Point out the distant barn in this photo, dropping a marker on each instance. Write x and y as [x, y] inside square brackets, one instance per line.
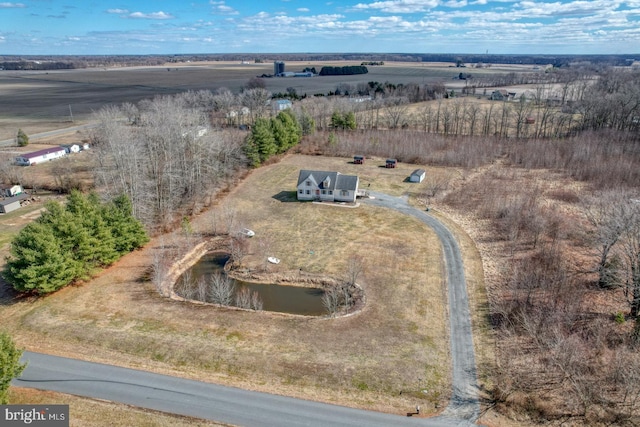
[358, 160]
[390, 163]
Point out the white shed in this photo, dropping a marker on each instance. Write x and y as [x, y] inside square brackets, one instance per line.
[417, 175]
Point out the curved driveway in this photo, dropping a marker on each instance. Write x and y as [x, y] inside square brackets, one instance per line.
[464, 402]
[249, 408]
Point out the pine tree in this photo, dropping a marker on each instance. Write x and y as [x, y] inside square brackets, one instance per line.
[10, 366]
[264, 139]
[22, 139]
[95, 245]
[38, 263]
[127, 231]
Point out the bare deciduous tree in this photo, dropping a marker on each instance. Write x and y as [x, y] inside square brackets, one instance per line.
[221, 289]
[243, 298]
[331, 300]
[355, 267]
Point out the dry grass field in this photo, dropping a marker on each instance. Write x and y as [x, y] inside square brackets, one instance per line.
[388, 357]
[45, 100]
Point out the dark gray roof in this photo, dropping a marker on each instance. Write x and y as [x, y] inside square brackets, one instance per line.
[8, 200]
[418, 172]
[337, 181]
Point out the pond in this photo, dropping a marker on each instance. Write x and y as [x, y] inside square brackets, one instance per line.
[277, 298]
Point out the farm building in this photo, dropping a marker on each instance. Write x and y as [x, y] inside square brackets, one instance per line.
[10, 204]
[358, 160]
[41, 156]
[10, 190]
[327, 186]
[390, 163]
[417, 175]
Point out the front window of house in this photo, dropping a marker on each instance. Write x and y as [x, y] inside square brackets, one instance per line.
[324, 191]
[344, 193]
[308, 192]
[308, 183]
[300, 191]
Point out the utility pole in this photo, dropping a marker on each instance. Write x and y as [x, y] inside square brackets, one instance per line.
[70, 113]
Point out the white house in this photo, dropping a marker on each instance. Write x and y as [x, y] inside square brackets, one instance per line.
[281, 104]
[327, 186]
[417, 175]
[41, 156]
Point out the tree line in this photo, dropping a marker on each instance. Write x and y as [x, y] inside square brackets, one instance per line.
[69, 242]
[347, 70]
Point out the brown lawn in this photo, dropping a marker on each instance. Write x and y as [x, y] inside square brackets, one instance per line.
[398, 343]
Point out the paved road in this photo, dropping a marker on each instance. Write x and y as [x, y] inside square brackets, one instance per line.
[198, 399]
[36, 136]
[247, 408]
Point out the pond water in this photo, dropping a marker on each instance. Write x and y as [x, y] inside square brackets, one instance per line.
[278, 298]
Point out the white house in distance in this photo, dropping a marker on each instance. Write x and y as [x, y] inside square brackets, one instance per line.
[40, 156]
[327, 186]
[281, 104]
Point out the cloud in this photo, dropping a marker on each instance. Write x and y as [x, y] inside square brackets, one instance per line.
[454, 3]
[153, 15]
[118, 11]
[221, 8]
[6, 5]
[399, 6]
[303, 9]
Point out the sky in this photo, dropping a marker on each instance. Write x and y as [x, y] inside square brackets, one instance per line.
[106, 27]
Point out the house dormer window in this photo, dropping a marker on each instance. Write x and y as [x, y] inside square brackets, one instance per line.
[308, 183]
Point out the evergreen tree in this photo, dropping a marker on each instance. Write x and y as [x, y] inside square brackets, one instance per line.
[293, 130]
[127, 231]
[69, 243]
[337, 120]
[38, 263]
[350, 120]
[22, 139]
[251, 150]
[95, 245]
[10, 366]
[260, 144]
[280, 136]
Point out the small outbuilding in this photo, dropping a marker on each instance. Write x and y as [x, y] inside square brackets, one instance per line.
[10, 190]
[417, 175]
[391, 163]
[358, 160]
[11, 204]
[71, 148]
